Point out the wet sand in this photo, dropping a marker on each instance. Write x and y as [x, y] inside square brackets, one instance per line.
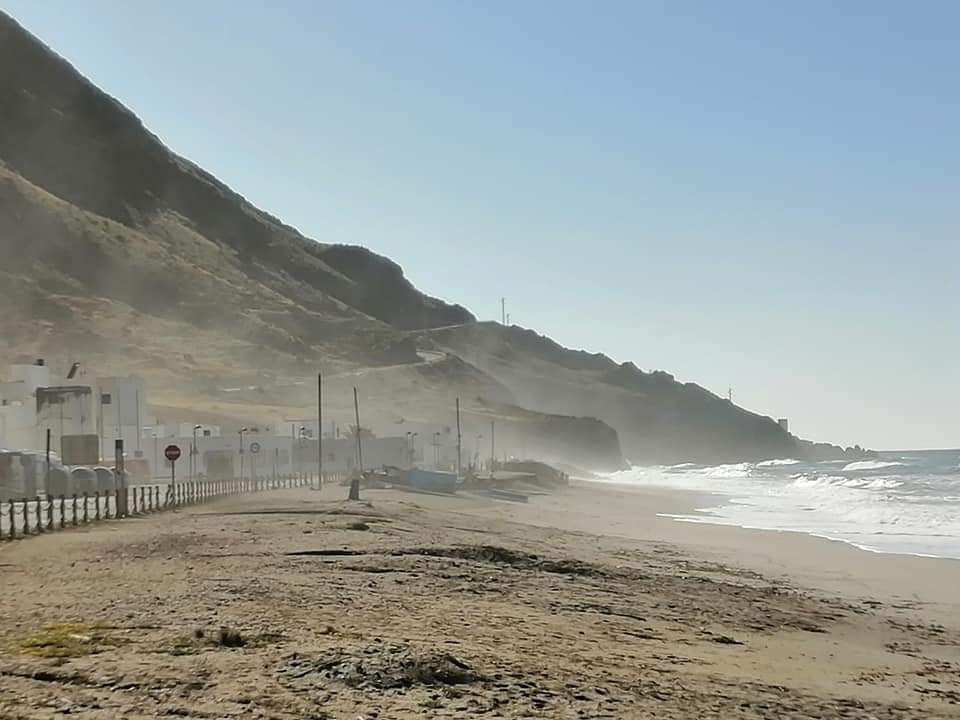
[581, 604]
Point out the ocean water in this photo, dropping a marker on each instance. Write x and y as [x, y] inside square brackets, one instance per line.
[898, 503]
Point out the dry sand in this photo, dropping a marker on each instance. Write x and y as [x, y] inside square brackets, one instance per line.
[583, 604]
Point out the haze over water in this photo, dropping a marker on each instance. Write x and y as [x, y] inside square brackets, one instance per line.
[901, 502]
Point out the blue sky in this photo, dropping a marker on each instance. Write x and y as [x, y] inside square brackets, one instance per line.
[754, 195]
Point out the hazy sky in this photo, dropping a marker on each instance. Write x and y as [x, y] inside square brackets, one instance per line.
[763, 195]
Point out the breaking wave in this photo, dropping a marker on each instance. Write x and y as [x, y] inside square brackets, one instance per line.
[903, 504]
[871, 465]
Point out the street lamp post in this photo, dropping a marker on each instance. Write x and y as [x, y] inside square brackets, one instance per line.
[413, 447]
[194, 453]
[242, 431]
[301, 435]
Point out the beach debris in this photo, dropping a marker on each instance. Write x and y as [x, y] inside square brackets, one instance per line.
[726, 640]
[66, 640]
[382, 666]
[504, 556]
[492, 554]
[230, 637]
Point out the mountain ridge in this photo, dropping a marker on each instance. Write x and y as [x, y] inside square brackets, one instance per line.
[149, 263]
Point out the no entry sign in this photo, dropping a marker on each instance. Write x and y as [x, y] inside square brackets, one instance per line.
[172, 453]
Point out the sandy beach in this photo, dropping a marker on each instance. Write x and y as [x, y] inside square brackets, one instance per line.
[584, 603]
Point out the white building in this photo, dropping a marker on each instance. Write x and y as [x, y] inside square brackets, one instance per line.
[113, 408]
[123, 412]
[65, 410]
[18, 406]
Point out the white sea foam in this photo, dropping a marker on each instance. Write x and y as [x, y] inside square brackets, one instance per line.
[777, 463]
[871, 465]
[907, 508]
[735, 470]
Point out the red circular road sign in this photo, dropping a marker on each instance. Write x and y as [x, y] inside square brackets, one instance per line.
[172, 453]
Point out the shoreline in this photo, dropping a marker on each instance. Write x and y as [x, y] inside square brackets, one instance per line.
[707, 520]
[880, 518]
[643, 514]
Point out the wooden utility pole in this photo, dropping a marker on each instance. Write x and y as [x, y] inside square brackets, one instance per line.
[320, 431]
[459, 440]
[47, 480]
[356, 411]
[120, 477]
[493, 448]
[355, 482]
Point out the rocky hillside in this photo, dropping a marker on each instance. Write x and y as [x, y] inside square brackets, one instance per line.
[121, 252]
[659, 420]
[62, 134]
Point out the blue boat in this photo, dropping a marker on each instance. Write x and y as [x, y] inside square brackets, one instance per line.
[432, 480]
